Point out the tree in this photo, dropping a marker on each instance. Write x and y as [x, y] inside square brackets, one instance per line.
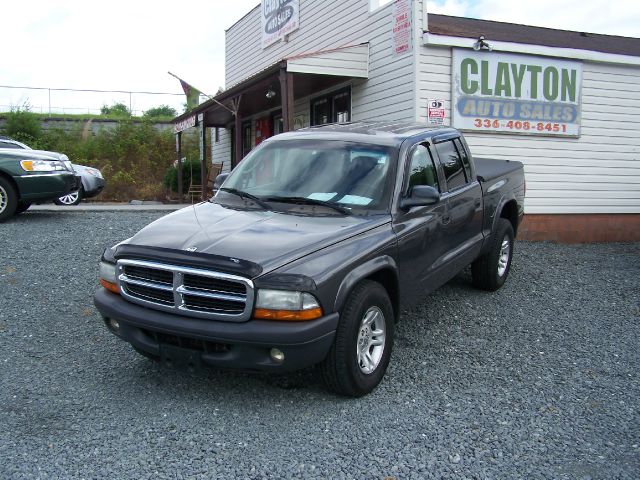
[117, 109]
[161, 111]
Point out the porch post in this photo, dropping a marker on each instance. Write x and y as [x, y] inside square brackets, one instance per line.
[179, 152]
[238, 128]
[286, 93]
[203, 155]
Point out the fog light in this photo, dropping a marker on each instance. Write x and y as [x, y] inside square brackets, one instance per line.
[277, 355]
[114, 324]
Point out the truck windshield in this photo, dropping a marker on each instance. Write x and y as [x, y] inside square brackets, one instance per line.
[346, 174]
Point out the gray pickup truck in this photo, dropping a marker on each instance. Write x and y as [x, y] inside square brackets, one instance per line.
[310, 250]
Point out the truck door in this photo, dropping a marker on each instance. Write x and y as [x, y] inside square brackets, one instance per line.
[462, 196]
[421, 238]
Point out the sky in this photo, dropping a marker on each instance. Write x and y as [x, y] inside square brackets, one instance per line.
[130, 45]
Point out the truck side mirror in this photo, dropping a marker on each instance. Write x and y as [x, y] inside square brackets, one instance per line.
[219, 180]
[419, 196]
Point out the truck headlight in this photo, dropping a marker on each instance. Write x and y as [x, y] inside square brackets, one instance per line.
[108, 277]
[42, 166]
[286, 305]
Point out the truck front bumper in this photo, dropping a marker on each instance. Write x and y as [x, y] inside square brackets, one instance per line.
[243, 345]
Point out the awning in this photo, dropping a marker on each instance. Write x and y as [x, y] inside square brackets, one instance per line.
[313, 71]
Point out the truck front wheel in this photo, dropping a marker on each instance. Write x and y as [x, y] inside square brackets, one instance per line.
[8, 200]
[362, 348]
[490, 271]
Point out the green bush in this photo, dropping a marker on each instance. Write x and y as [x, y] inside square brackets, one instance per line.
[170, 180]
[117, 109]
[163, 111]
[133, 156]
[22, 125]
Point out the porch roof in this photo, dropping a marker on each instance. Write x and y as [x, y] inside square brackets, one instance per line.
[313, 71]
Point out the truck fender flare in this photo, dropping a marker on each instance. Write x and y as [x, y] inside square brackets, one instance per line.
[503, 201]
[360, 273]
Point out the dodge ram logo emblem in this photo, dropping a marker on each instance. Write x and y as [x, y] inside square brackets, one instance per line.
[191, 249]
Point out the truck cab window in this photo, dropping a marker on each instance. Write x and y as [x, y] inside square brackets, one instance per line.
[451, 164]
[421, 169]
[465, 159]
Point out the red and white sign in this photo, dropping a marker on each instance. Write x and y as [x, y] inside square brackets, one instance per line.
[184, 124]
[401, 27]
[436, 112]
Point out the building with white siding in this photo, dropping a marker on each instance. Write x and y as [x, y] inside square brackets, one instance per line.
[566, 104]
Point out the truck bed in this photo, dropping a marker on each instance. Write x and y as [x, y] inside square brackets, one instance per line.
[491, 168]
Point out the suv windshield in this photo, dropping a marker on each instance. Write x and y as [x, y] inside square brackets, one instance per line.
[346, 174]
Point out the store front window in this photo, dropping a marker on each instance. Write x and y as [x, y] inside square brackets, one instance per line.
[333, 107]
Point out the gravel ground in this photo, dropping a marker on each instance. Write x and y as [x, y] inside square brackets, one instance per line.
[538, 380]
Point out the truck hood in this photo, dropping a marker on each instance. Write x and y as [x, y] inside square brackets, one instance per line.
[269, 239]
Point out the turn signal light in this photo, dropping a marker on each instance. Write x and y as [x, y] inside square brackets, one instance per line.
[288, 315]
[112, 287]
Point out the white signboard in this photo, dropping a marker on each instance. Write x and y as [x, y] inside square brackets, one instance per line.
[279, 18]
[184, 124]
[401, 27]
[526, 94]
[436, 112]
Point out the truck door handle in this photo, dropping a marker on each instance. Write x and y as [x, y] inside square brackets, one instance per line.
[446, 219]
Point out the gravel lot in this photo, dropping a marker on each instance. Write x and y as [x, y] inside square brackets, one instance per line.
[539, 380]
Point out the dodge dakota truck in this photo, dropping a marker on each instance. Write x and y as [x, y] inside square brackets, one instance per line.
[310, 250]
[28, 176]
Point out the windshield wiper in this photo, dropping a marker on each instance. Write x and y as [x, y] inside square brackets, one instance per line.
[310, 201]
[243, 194]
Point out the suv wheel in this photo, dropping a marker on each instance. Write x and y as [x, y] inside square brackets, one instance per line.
[8, 200]
[490, 271]
[362, 348]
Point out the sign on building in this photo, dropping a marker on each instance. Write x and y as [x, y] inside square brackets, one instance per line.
[279, 18]
[505, 92]
[401, 27]
[184, 124]
[436, 112]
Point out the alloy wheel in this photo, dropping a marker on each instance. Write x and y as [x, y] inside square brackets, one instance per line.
[69, 199]
[503, 259]
[371, 340]
[4, 199]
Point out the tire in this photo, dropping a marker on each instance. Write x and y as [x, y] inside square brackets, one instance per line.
[73, 198]
[8, 200]
[343, 370]
[22, 207]
[491, 270]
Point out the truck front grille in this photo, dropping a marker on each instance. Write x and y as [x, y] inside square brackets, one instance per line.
[185, 290]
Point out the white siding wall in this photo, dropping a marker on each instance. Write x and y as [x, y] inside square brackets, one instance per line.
[221, 150]
[596, 173]
[388, 93]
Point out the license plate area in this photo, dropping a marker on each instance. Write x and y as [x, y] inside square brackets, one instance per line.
[180, 358]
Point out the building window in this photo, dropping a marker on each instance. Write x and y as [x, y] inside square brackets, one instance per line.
[278, 123]
[217, 135]
[331, 108]
[246, 138]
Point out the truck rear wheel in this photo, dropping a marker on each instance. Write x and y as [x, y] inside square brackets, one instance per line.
[8, 200]
[490, 271]
[362, 348]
